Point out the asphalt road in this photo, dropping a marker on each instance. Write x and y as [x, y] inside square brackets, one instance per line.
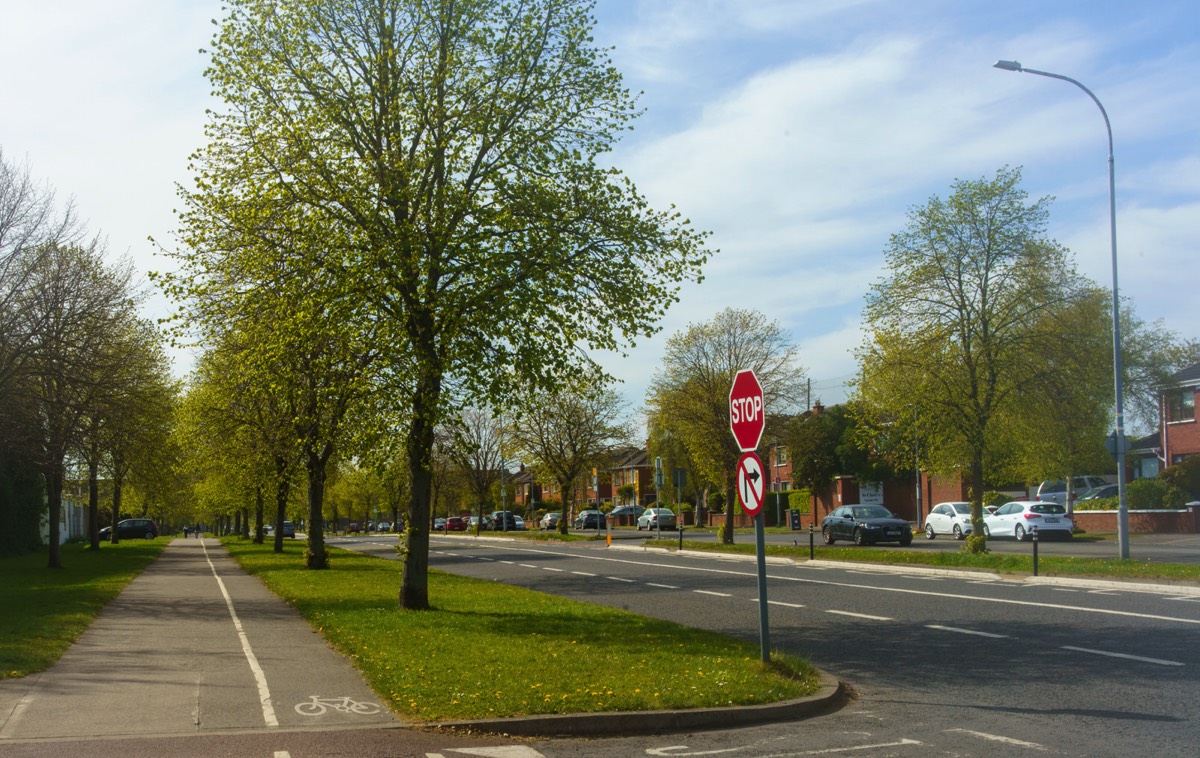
[943, 664]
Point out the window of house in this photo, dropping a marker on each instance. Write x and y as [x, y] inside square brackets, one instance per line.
[780, 455]
[1181, 405]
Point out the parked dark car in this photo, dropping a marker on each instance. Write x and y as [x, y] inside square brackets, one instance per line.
[289, 529]
[591, 519]
[549, 521]
[132, 528]
[627, 510]
[865, 525]
[506, 521]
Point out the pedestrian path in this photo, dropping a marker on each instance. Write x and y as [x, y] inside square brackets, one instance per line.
[192, 645]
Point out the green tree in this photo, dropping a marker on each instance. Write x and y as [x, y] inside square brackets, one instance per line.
[453, 151]
[689, 395]
[827, 444]
[566, 433]
[952, 328]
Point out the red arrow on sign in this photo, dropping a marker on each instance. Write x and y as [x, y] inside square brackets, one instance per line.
[750, 483]
[747, 417]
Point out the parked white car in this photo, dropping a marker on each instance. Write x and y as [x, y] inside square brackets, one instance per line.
[1019, 519]
[949, 518]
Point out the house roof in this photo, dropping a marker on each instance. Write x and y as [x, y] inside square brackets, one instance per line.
[1188, 377]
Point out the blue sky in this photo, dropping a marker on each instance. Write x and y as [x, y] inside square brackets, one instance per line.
[799, 132]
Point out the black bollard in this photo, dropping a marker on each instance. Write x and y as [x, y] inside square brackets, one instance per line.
[811, 543]
[681, 536]
[1035, 550]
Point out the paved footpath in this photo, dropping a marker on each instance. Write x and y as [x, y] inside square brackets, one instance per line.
[194, 645]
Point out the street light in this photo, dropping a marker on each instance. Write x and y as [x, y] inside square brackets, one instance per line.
[1119, 431]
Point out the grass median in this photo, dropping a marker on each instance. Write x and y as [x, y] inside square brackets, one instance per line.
[45, 610]
[1004, 563]
[490, 650]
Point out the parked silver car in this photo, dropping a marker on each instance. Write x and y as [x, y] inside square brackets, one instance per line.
[1055, 490]
[1019, 518]
[949, 518]
[656, 518]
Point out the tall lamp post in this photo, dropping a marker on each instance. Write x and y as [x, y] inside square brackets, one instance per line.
[1119, 443]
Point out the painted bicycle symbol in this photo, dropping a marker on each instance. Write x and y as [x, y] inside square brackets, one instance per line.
[318, 706]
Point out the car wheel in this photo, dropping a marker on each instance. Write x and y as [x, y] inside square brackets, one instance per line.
[929, 534]
[987, 533]
[860, 538]
[958, 534]
[827, 536]
[1019, 533]
[150, 535]
[906, 541]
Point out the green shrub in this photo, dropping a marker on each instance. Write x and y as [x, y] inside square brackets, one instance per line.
[995, 498]
[800, 500]
[1099, 504]
[1150, 493]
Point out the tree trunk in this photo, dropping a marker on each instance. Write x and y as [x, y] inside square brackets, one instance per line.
[93, 505]
[54, 479]
[414, 577]
[316, 557]
[730, 503]
[258, 515]
[116, 507]
[282, 488]
[976, 542]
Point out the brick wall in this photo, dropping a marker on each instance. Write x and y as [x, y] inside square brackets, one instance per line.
[1141, 522]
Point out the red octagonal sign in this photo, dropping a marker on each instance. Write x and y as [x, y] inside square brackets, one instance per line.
[747, 417]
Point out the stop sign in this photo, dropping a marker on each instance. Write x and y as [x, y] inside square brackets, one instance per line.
[746, 415]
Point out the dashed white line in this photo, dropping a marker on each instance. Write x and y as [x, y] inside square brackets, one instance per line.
[780, 602]
[1158, 661]
[528, 565]
[999, 738]
[662, 586]
[710, 592]
[621, 579]
[867, 616]
[260, 678]
[966, 631]
[582, 573]
[549, 568]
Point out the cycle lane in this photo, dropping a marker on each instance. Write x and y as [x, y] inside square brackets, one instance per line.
[192, 645]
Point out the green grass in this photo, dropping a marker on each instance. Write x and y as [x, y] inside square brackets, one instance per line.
[491, 650]
[997, 562]
[45, 610]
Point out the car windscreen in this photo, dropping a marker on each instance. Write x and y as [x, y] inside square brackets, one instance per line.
[872, 511]
[962, 507]
[1047, 508]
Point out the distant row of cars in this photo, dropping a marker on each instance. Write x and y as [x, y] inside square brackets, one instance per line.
[1020, 519]
[647, 518]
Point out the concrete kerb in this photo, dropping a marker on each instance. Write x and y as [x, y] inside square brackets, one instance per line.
[1189, 590]
[830, 695]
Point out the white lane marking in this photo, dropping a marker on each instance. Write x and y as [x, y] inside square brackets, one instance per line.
[511, 563]
[548, 568]
[621, 579]
[528, 565]
[1158, 661]
[778, 602]
[499, 751]
[1063, 589]
[965, 631]
[482, 558]
[282, 754]
[859, 615]
[672, 751]
[264, 692]
[710, 592]
[582, 573]
[662, 586]
[851, 585]
[999, 738]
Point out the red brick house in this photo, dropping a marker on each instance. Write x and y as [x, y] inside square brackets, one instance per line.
[1177, 406]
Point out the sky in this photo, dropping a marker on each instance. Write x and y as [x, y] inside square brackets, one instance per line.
[800, 133]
